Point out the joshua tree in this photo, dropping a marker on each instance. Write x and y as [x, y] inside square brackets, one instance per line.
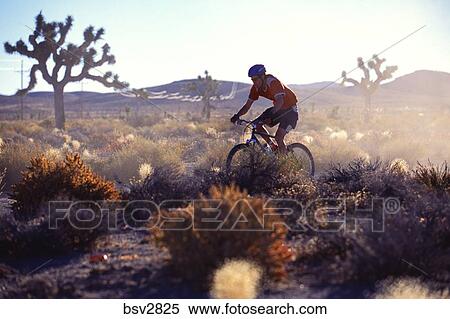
[366, 85]
[207, 89]
[47, 41]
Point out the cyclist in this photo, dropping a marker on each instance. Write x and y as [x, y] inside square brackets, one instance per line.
[284, 110]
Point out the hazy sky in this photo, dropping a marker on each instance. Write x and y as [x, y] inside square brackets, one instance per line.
[156, 42]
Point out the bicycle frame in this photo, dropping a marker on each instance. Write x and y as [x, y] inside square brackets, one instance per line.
[253, 138]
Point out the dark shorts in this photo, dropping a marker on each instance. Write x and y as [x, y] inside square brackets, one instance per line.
[286, 118]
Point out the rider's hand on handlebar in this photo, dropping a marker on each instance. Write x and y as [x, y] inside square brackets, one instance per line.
[234, 118]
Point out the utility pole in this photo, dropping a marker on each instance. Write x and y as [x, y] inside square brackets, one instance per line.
[21, 87]
[81, 99]
[21, 111]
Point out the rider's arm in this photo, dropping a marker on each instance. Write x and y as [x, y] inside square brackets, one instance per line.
[245, 108]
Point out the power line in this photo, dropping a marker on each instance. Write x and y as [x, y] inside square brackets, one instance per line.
[364, 62]
[381, 52]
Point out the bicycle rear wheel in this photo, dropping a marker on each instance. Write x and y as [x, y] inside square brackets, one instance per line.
[304, 157]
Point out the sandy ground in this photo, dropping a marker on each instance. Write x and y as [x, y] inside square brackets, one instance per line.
[135, 268]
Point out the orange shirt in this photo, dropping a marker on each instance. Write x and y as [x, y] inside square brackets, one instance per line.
[273, 89]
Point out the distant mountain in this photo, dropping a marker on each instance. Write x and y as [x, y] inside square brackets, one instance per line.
[420, 88]
[422, 82]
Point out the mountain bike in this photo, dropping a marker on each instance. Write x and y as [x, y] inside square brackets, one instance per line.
[245, 151]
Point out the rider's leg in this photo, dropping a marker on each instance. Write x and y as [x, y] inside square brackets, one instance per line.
[279, 137]
[288, 122]
[261, 129]
[265, 119]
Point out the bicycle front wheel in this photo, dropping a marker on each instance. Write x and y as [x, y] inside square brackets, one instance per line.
[303, 157]
[240, 153]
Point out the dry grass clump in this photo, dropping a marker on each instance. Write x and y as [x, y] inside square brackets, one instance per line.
[124, 163]
[20, 131]
[236, 279]
[328, 152]
[197, 252]
[145, 120]
[98, 133]
[14, 157]
[214, 155]
[399, 165]
[409, 288]
[436, 177]
[173, 128]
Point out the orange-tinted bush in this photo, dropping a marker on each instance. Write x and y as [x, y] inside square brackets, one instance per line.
[197, 252]
[45, 180]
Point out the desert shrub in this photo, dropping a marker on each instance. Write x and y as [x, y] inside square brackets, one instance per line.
[35, 286]
[436, 177]
[351, 172]
[379, 178]
[268, 174]
[414, 241]
[203, 179]
[29, 234]
[45, 180]
[173, 182]
[365, 256]
[21, 239]
[164, 182]
[254, 170]
[196, 252]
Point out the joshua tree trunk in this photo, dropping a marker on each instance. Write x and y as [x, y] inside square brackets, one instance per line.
[207, 110]
[60, 119]
[367, 106]
[367, 101]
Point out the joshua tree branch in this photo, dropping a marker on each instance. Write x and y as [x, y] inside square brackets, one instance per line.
[64, 28]
[114, 83]
[363, 67]
[32, 82]
[349, 80]
[20, 48]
